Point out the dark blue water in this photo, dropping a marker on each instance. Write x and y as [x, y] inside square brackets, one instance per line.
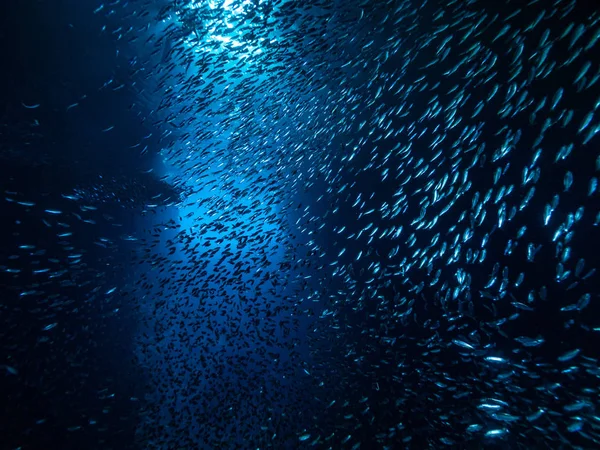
[265, 224]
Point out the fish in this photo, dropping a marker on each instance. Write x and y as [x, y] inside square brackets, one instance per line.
[310, 225]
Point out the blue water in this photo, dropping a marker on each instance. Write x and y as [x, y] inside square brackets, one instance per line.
[266, 224]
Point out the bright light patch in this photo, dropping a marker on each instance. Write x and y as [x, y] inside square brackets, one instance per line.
[222, 29]
[227, 5]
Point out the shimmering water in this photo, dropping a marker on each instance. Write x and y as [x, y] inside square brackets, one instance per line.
[268, 224]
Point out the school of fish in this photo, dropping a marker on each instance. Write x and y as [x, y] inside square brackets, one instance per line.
[380, 229]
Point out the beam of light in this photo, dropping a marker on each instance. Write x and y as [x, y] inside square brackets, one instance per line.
[221, 30]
